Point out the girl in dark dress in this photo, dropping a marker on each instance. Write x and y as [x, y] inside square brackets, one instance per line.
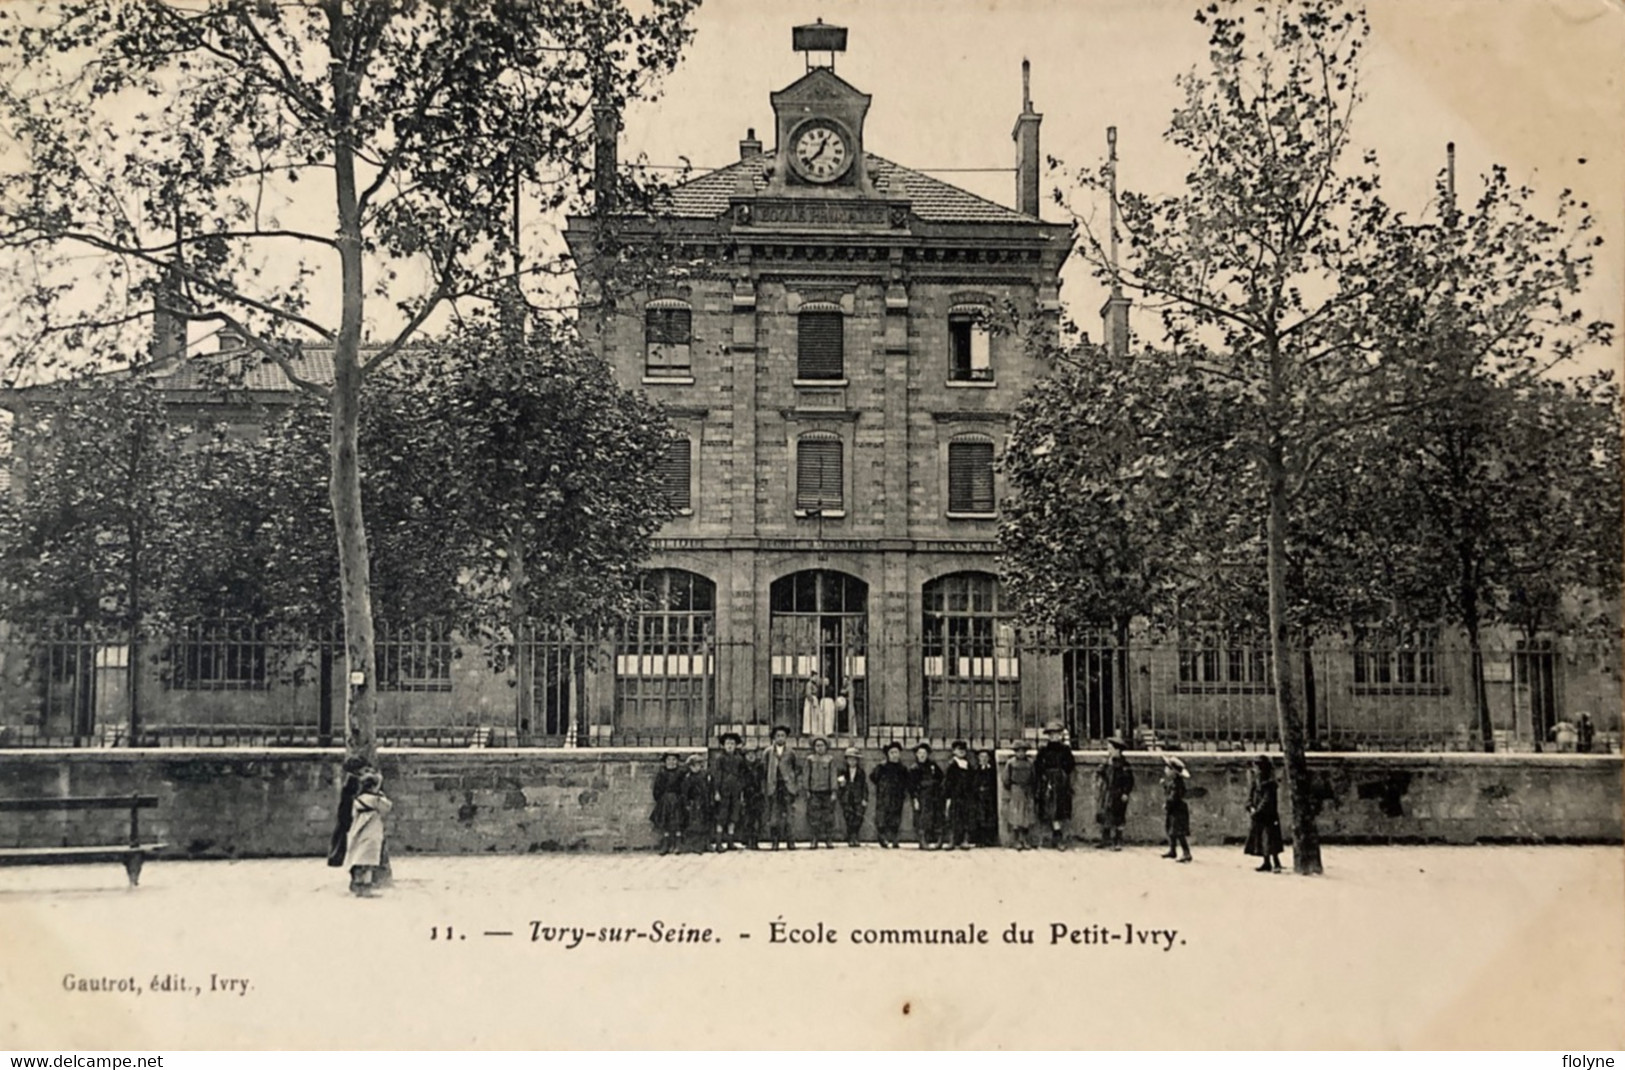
[699, 807]
[668, 812]
[925, 786]
[1176, 813]
[1264, 838]
[1052, 783]
[890, 779]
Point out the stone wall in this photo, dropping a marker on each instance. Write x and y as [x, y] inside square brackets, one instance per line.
[236, 803]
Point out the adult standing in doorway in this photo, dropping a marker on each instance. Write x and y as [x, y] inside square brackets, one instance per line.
[1052, 775]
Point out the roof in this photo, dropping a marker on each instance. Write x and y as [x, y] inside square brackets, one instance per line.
[706, 197]
[247, 370]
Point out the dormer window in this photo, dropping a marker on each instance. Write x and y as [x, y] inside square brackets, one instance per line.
[668, 334]
[970, 354]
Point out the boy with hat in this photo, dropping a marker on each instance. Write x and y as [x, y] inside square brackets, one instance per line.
[853, 788]
[699, 807]
[731, 774]
[891, 791]
[783, 776]
[1114, 782]
[1176, 813]
[1052, 779]
[959, 796]
[1018, 795]
[925, 787]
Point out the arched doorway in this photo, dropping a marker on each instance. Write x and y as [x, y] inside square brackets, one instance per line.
[665, 663]
[819, 631]
[971, 665]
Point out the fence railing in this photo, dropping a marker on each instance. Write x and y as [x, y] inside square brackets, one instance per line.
[670, 681]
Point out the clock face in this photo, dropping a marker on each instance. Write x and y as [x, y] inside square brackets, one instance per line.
[820, 153]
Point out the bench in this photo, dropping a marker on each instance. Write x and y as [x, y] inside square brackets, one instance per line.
[132, 854]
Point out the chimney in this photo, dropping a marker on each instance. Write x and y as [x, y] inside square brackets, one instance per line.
[1025, 136]
[1114, 313]
[750, 146]
[168, 326]
[606, 129]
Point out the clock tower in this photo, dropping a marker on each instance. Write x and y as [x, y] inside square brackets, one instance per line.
[819, 124]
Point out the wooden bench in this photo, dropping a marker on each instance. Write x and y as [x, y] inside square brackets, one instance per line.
[132, 854]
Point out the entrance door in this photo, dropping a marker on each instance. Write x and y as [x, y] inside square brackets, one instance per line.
[818, 640]
[1090, 693]
[1534, 673]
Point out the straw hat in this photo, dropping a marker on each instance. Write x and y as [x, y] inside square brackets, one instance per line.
[1055, 725]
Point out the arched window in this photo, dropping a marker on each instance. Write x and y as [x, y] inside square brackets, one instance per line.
[820, 342]
[970, 475]
[972, 672]
[818, 637]
[665, 665]
[668, 334]
[819, 473]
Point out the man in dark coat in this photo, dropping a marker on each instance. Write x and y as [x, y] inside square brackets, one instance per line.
[890, 779]
[925, 787]
[1052, 777]
[731, 774]
[959, 796]
[1114, 782]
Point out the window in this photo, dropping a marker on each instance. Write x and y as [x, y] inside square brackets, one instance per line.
[219, 656]
[818, 630]
[668, 328]
[1223, 665]
[1401, 663]
[818, 473]
[674, 474]
[970, 476]
[820, 344]
[971, 669]
[414, 658]
[970, 357]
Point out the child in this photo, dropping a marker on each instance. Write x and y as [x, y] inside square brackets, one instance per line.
[751, 801]
[853, 789]
[1176, 813]
[959, 795]
[925, 786]
[1264, 837]
[668, 812]
[783, 778]
[1114, 782]
[1018, 796]
[986, 826]
[339, 845]
[731, 774]
[699, 807]
[1052, 783]
[891, 791]
[365, 843]
[821, 794]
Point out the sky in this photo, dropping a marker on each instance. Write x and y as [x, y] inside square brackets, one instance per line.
[1533, 85]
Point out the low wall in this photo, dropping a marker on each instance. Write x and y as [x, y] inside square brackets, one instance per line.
[241, 804]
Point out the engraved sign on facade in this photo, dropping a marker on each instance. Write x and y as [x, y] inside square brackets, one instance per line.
[822, 213]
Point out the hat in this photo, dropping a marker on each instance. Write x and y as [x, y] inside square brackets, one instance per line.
[853, 752]
[959, 744]
[1020, 745]
[1117, 741]
[1055, 725]
[1176, 765]
[696, 759]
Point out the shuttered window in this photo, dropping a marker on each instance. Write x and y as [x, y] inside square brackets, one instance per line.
[668, 329]
[818, 472]
[674, 473]
[820, 352]
[970, 477]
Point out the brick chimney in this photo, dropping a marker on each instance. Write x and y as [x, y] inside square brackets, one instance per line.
[1025, 136]
[606, 130]
[168, 326]
[751, 146]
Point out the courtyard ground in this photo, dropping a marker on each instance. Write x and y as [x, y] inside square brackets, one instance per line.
[1394, 947]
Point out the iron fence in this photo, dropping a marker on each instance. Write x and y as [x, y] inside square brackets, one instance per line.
[668, 680]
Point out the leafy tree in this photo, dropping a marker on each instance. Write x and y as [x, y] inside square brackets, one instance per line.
[176, 140]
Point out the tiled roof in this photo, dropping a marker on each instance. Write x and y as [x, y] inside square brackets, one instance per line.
[706, 197]
[248, 370]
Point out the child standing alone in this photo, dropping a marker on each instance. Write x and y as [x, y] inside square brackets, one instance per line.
[1018, 795]
[365, 844]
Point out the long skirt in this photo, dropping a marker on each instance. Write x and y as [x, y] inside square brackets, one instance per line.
[1264, 838]
[1018, 806]
[1176, 818]
[821, 815]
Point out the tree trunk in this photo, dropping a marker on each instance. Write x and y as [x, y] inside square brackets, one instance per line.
[355, 580]
[1470, 621]
[132, 661]
[1305, 833]
[523, 646]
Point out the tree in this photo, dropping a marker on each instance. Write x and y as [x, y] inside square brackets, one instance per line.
[178, 150]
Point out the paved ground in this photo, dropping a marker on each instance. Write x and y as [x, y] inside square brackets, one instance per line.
[1411, 947]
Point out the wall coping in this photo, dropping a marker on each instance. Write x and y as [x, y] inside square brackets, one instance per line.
[546, 754]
